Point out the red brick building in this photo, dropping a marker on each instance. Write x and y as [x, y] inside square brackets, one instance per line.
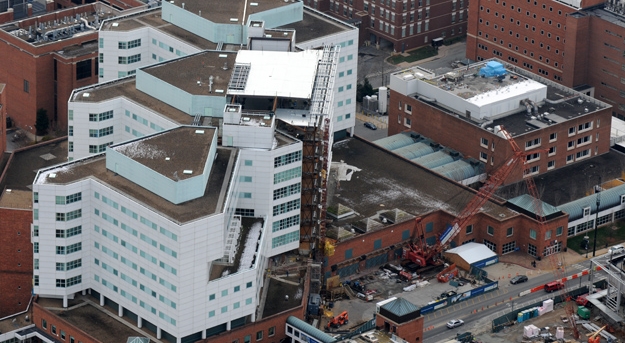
[405, 25]
[579, 48]
[3, 116]
[389, 214]
[401, 318]
[45, 58]
[561, 127]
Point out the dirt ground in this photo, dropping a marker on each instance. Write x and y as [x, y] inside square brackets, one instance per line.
[551, 320]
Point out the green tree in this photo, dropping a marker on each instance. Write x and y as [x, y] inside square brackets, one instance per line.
[363, 90]
[43, 123]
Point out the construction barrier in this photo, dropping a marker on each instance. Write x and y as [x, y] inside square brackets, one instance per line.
[460, 297]
[564, 279]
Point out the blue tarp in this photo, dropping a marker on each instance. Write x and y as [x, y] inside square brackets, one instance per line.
[493, 68]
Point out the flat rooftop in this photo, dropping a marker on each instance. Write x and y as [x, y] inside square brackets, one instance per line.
[316, 24]
[79, 50]
[201, 74]
[98, 322]
[22, 169]
[127, 88]
[153, 18]
[226, 11]
[387, 182]
[211, 202]
[62, 24]
[559, 105]
[172, 152]
[275, 73]
[575, 181]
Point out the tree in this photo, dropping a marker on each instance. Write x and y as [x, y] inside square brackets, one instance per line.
[363, 90]
[43, 123]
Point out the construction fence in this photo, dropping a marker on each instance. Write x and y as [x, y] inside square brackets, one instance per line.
[508, 319]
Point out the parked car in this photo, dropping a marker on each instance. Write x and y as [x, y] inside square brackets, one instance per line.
[617, 249]
[554, 286]
[454, 323]
[518, 279]
[369, 337]
[371, 126]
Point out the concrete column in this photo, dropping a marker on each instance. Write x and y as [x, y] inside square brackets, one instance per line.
[158, 332]
[120, 310]
[203, 334]
[139, 322]
[253, 316]
[29, 10]
[228, 326]
[84, 292]
[101, 300]
[179, 340]
[65, 301]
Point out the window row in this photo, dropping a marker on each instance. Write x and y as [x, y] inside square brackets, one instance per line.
[130, 44]
[287, 159]
[101, 116]
[282, 224]
[101, 132]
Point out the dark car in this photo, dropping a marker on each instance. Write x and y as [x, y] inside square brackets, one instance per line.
[518, 279]
[371, 126]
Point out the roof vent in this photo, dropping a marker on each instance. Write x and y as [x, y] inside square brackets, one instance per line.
[199, 132]
[115, 24]
[286, 34]
[52, 175]
[8, 190]
[167, 158]
[187, 171]
[223, 55]
[85, 95]
[253, 3]
[267, 117]
[268, 36]
[263, 124]
[219, 90]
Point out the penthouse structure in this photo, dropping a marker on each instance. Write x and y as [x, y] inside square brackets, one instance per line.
[180, 29]
[464, 110]
[173, 227]
[45, 57]
[575, 43]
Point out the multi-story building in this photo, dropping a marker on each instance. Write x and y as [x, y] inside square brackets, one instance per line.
[174, 225]
[465, 110]
[3, 117]
[44, 58]
[402, 24]
[177, 30]
[575, 43]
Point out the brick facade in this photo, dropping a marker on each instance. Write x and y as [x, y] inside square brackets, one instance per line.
[38, 76]
[569, 46]
[411, 331]
[3, 116]
[16, 260]
[55, 326]
[393, 237]
[443, 17]
[464, 137]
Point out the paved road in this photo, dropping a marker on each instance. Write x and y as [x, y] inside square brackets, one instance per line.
[501, 297]
[368, 134]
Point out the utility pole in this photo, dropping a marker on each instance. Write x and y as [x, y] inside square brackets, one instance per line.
[594, 244]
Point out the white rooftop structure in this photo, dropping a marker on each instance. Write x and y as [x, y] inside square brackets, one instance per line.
[272, 73]
[472, 252]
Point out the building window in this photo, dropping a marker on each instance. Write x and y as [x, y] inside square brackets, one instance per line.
[570, 158]
[551, 164]
[532, 234]
[553, 137]
[532, 157]
[571, 131]
[271, 331]
[531, 171]
[26, 86]
[548, 235]
[484, 142]
[531, 249]
[559, 231]
[259, 335]
[509, 231]
[483, 156]
[468, 230]
[532, 143]
[490, 230]
[492, 246]
[508, 247]
[552, 151]
[83, 69]
[408, 109]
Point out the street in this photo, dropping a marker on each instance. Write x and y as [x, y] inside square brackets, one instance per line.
[493, 304]
[368, 134]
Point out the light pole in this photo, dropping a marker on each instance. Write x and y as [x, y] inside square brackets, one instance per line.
[598, 190]
[587, 240]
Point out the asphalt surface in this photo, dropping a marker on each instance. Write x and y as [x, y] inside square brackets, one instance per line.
[492, 304]
[368, 134]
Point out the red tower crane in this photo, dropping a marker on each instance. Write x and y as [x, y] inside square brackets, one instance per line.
[422, 254]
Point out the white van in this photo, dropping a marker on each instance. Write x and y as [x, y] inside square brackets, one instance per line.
[617, 249]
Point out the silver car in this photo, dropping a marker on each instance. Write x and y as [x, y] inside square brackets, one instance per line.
[454, 323]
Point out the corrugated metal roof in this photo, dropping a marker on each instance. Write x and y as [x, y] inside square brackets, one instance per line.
[414, 150]
[434, 160]
[400, 307]
[310, 330]
[609, 198]
[526, 202]
[472, 252]
[394, 142]
[457, 170]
